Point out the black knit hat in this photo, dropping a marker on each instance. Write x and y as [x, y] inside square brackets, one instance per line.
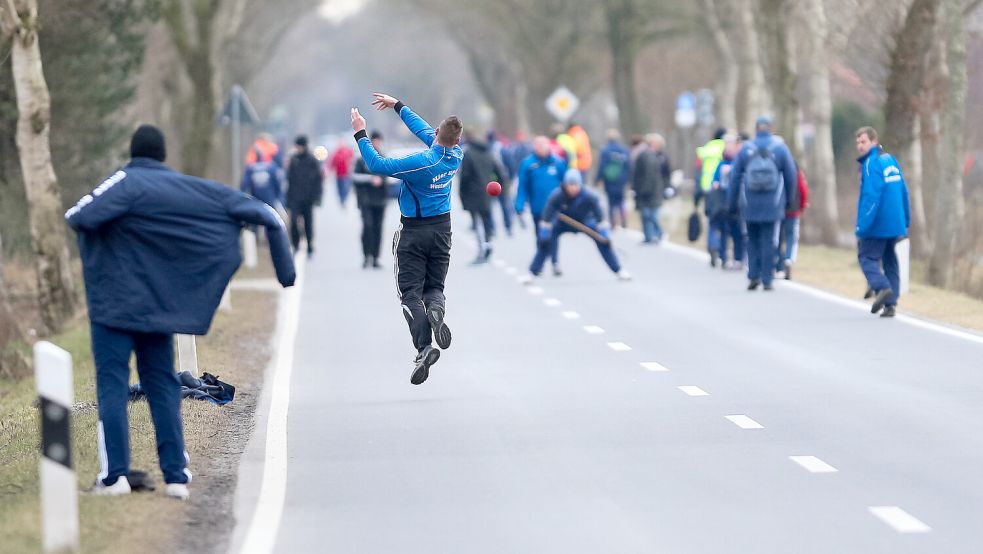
[301, 140]
[376, 135]
[148, 142]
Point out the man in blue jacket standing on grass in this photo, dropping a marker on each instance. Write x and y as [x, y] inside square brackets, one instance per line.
[422, 245]
[883, 217]
[158, 249]
[539, 175]
[763, 183]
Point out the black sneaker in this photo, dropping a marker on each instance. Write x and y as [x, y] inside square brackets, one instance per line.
[879, 300]
[713, 259]
[788, 270]
[375, 263]
[753, 285]
[557, 272]
[869, 294]
[421, 368]
[441, 332]
[769, 286]
[366, 262]
[488, 253]
[889, 311]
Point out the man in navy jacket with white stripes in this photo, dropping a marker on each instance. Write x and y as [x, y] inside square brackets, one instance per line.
[422, 245]
[158, 249]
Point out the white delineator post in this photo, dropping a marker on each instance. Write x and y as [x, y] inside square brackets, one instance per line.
[902, 249]
[226, 302]
[249, 248]
[59, 487]
[187, 354]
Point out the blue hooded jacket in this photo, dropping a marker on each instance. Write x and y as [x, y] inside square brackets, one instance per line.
[426, 176]
[262, 180]
[158, 248]
[882, 209]
[615, 156]
[763, 207]
[538, 178]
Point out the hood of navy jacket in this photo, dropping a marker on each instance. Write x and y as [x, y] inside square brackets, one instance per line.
[758, 207]
[426, 176]
[538, 178]
[158, 248]
[882, 209]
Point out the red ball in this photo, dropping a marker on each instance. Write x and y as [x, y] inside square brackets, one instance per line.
[494, 188]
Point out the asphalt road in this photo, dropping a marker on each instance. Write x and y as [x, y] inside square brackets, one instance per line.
[583, 414]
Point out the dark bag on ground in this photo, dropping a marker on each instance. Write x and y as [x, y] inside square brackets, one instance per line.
[695, 227]
[208, 387]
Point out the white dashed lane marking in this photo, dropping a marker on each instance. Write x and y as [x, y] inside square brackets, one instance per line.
[744, 422]
[552, 302]
[619, 346]
[499, 263]
[899, 520]
[813, 464]
[571, 315]
[693, 390]
[535, 291]
[593, 329]
[511, 270]
[654, 366]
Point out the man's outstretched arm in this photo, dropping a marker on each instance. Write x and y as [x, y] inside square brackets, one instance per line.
[374, 161]
[416, 124]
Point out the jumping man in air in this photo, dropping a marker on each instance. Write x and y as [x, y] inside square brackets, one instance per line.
[422, 245]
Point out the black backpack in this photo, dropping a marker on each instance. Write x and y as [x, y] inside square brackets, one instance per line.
[762, 171]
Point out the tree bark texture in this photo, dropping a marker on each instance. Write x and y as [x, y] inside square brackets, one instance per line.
[726, 101]
[757, 100]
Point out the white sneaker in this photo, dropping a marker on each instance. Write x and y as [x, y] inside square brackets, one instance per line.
[177, 490]
[526, 279]
[119, 488]
[624, 275]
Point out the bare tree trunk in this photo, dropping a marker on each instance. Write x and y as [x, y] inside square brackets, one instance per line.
[818, 103]
[778, 55]
[949, 206]
[905, 84]
[622, 30]
[726, 100]
[57, 294]
[757, 101]
[12, 361]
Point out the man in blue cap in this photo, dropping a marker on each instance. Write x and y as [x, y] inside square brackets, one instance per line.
[763, 185]
[573, 209]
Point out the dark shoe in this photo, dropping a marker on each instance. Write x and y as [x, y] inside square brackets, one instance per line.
[488, 253]
[869, 294]
[376, 264]
[310, 253]
[421, 368]
[557, 272]
[753, 285]
[788, 270]
[441, 332]
[769, 286]
[889, 311]
[879, 300]
[713, 259]
[366, 262]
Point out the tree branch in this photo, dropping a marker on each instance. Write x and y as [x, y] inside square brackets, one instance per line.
[9, 20]
[971, 7]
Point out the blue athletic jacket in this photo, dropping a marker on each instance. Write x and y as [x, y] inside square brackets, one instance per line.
[538, 178]
[614, 157]
[426, 176]
[882, 209]
[262, 180]
[585, 207]
[158, 248]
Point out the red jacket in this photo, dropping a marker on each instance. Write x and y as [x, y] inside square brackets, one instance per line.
[341, 162]
[803, 197]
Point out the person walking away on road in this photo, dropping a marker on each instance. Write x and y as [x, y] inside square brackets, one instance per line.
[883, 218]
[158, 249]
[763, 185]
[499, 147]
[341, 165]
[422, 245]
[708, 157]
[539, 175]
[563, 145]
[724, 227]
[304, 190]
[262, 180]
[478, 168]
[371, 195]
[264, 148]
[613, 172]
[650, 178]
[573, 209]
[585, 157]
[788, 236]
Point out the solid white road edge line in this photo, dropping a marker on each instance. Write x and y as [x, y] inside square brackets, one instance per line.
[693, 390]
[744, 422]
[261, 536]
[899, 520]
[813, 464]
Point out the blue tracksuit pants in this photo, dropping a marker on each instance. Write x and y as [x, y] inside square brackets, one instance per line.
[111, 349]
[544, 248]
[880, 265]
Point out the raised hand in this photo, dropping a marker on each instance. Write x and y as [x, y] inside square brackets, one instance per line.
[358, 122]
[383, 101]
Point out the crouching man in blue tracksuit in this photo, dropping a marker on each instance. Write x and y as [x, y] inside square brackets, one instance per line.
[422, 245]
[571, 209]
[883, 217]
[158, 249]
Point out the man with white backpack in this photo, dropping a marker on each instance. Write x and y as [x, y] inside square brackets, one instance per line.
[763, 186]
